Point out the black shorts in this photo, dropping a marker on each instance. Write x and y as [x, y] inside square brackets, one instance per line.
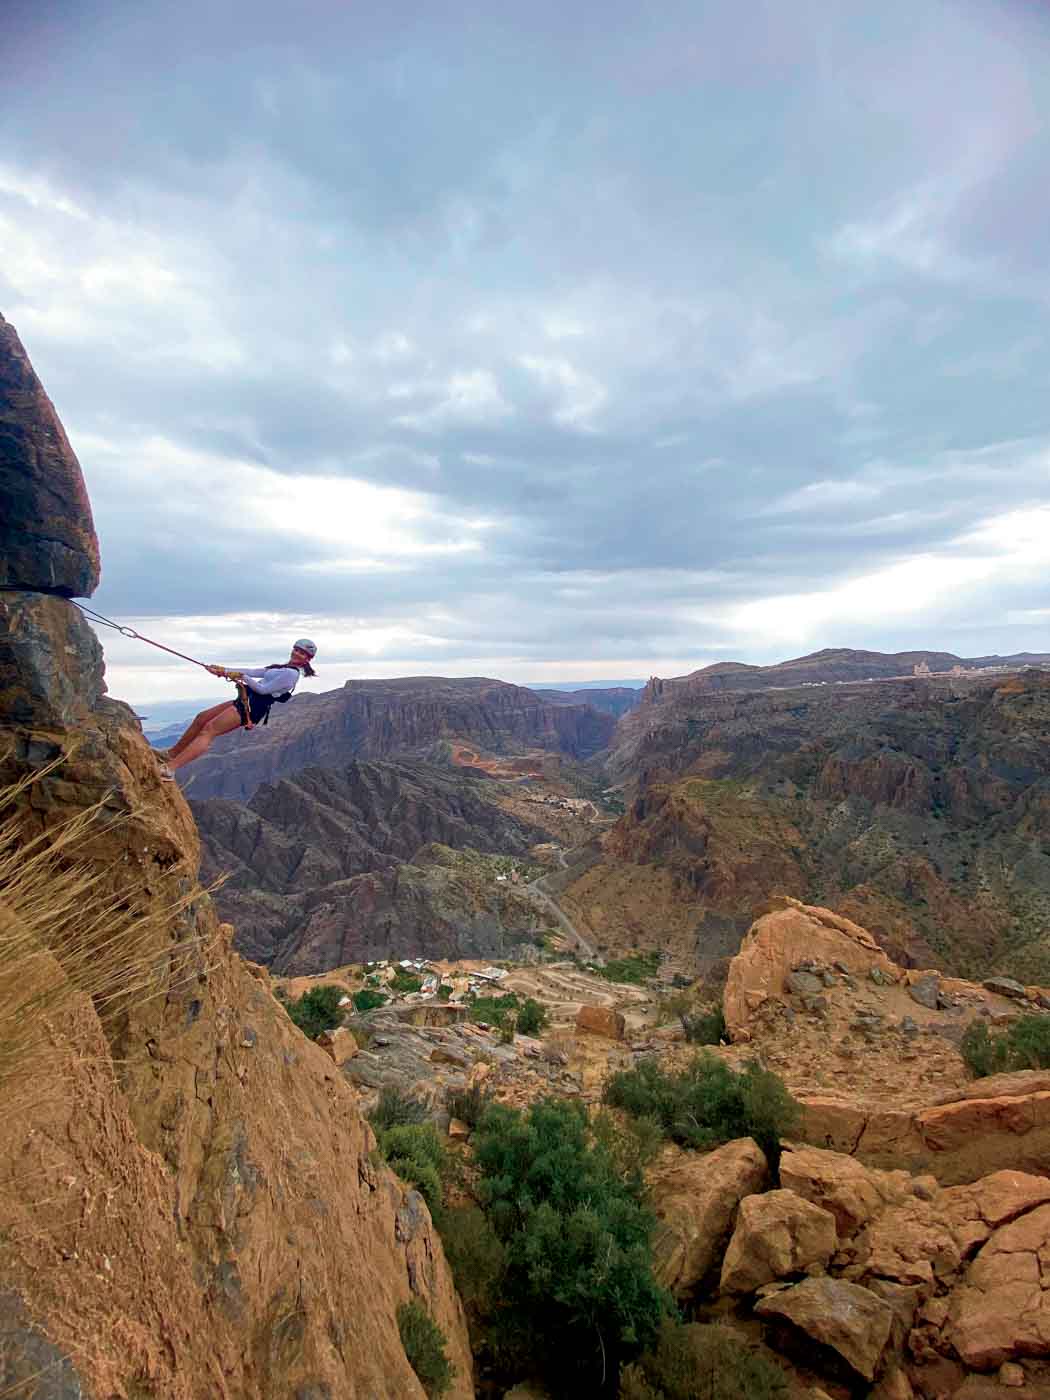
[258, 706]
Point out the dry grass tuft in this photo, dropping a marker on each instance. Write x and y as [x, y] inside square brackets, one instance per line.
[65, 935]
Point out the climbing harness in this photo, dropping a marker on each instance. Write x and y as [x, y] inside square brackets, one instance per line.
[125, 631]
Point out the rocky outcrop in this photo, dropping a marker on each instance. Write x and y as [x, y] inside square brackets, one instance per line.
[419, 717]
[47, 537]
[189, 1200]
[782, 940]
[696, 1202]
[342, 865]
[816, 997]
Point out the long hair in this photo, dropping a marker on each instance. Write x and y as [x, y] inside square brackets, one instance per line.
[305, 667]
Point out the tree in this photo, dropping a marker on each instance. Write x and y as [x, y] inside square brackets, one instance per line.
[578, 1292]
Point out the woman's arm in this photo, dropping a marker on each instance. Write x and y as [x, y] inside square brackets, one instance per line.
[271, 682]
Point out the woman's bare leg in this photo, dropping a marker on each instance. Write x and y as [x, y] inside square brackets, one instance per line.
[196, 725]
[226, 720]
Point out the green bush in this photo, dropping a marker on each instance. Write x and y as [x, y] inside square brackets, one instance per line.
[532, 1017]
[424, 1344]
[696, 1362]
[367, 999]
[708, 1103]
[395, 1108]
[705, 1027]
[631, 1143]
[403, 981]
[444, 991]
[416, 1152]
[578, 1296]
[1023, 1045]
[317, 1010]
[475, 1255]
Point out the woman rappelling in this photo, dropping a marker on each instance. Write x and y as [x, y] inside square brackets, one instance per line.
[257, 691]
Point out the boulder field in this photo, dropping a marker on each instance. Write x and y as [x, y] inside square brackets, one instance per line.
[905, 1249]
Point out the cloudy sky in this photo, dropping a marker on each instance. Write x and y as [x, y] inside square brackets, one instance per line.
[547, 341]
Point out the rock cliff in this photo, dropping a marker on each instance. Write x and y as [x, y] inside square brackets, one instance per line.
[189, 1205]
[417, 716]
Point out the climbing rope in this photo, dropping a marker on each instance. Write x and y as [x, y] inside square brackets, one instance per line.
[125, 631]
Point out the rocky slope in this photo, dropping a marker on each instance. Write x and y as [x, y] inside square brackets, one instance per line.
[916, 807]
[416, 716]
[897, 1255]
[340, 865]
[901, 1248]
[189, 1205]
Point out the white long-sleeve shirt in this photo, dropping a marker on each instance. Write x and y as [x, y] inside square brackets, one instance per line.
[274, 682]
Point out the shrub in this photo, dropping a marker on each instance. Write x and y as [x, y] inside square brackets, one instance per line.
[417, 1154]
[367, 999]
[1029, 1042]
[424, 1344]
[697, 1362]
[468, 1105]
[705, 1027]
[317, 1010]
[403, 981]
[578, 1294]
[532, 1017]
[395, 1109]
[708, 1103]
[1023, 1045]
[631, 1143]
[474, 1253]
[444, 991]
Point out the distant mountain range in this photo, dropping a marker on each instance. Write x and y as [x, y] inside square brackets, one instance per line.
[832, 664]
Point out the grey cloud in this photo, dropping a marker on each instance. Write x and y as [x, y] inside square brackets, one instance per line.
[636, 228]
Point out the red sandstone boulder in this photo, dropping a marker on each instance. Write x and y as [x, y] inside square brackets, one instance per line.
[776, 1234]
[840, 1315]
[1002, 1311]
[696, 1202]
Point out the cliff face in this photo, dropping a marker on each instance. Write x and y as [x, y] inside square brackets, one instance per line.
[47, 538]
[912, 807]
[314, 861]
[378, 719]
[188, 1203]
